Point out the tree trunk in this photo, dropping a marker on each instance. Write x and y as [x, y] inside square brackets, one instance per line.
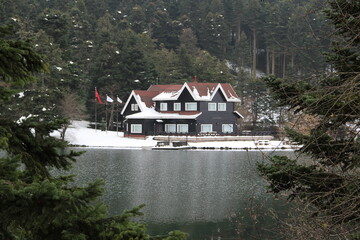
[273, 62]
[267, 61]
[253, 72]
[238, 30]
[284, 66]
[63, 131]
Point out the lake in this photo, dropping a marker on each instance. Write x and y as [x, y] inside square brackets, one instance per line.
[208, 194]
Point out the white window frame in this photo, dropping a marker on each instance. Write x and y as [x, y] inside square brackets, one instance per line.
[177, 106]
[205, 128]
[136, 128]
[188, 106]
[163, 106]
[180, 129]
[170, 128]
[212, 107]
[221, 106]
[134, 107]
[229, 125]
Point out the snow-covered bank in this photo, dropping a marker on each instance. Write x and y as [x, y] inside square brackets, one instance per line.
[80, 135]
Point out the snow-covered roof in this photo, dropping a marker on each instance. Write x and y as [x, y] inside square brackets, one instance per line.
[239, 114]
[143, 98]
[199, 92]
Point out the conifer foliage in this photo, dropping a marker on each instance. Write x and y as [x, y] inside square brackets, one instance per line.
[330, 181]
[35, 204]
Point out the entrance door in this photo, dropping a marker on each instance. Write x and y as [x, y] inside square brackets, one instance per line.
[159, 128]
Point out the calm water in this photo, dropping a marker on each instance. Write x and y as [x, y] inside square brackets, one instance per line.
[208, 194]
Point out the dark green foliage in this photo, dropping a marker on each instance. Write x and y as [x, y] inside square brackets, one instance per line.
[56, 24]
[18, 62]
[330, 181]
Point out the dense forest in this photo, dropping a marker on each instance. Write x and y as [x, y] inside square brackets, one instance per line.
[118, 46]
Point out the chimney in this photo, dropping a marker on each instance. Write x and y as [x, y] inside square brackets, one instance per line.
[195, 79]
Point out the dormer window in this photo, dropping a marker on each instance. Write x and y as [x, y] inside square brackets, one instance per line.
[134, 107]
[163, 106]
[177, 106]
[211, 106]
[221, 106]
[191, 106]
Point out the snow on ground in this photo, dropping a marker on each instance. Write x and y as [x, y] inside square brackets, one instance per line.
[79, 134]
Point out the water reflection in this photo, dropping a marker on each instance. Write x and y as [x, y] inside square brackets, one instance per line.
[184, 188]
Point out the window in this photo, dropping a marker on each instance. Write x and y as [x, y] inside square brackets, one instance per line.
[227, 128]
[191, 106]
[134, 107]
[206, 128]
[211, 106]
[221, 106]
[163, 106]
[177, 106]
[136, 128]
[182, 128]
[170, 128]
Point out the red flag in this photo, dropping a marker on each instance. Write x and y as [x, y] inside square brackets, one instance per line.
[97, 96]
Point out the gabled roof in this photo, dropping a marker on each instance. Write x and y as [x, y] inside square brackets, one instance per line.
[143, 99]
[199, 92]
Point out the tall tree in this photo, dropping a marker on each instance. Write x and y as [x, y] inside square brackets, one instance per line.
[330, 183]
[214, 37]
[137, 19]
[254, 18]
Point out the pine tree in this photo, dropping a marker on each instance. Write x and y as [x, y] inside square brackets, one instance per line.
[330, 183]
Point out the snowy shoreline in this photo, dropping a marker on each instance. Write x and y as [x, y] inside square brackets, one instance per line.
[79, 135]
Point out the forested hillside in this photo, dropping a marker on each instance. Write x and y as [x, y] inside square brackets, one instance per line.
[118, 45]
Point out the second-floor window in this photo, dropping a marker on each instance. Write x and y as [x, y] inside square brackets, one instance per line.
[211, 106]
[177, 106]
[134, 107]
[163, 106]
[221, 106]
[191, 106]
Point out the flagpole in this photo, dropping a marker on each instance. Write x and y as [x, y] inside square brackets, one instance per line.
[117, 115]
[106, 122]
[95, 112]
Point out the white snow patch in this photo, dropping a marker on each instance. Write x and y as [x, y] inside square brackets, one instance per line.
[23, 118]
[79, 134]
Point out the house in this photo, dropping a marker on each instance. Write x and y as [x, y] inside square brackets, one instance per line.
[191, 108]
